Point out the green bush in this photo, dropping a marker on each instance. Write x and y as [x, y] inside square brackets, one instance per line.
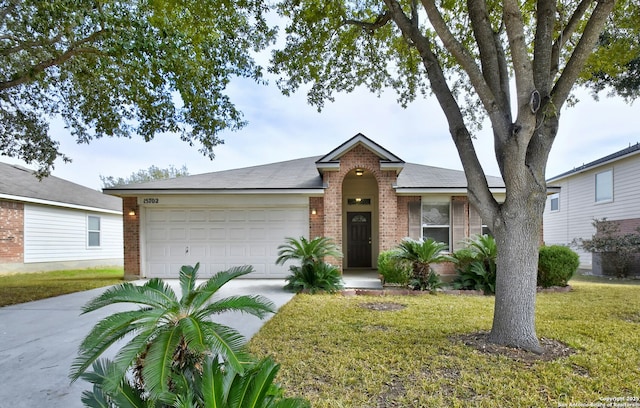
[556, 265]
[314, 278]
[476, 265]
[392, 269]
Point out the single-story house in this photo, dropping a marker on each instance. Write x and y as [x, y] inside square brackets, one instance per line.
[605, 188]
[54, 224]
[360, 194]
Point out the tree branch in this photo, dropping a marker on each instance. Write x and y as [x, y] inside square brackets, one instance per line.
[543, 45]
[379, 22]
[518, 45]
[479, 193]
[463, 57]
[578, 58]
[572, 26]
[487, 45]
[75, 49]
[27, 44]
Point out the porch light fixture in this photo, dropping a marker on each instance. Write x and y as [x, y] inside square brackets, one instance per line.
[313, 211]
[359, 172]
[132, 212]
[358, 199]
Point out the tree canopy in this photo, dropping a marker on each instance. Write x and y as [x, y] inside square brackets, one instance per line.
[511, 62]
[123, 68]
[141, 176]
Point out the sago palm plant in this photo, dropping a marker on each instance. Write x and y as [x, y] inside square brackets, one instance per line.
[217, 386]
[313, 274]
[169, 336]
[307, 252]
[421, 254]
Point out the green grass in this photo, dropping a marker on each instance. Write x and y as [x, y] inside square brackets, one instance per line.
[25, 287]
[337, 353]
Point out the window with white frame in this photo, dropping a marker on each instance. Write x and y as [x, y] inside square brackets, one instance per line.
[604, 186]
[554, 202]
[93, 231]
[435, 221]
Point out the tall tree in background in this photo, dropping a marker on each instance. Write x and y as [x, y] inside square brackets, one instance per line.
[122, 68]
[141, 176]
[474, 56]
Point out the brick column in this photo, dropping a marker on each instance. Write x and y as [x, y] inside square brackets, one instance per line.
[316, 221]
[11, 232]
[131, 230]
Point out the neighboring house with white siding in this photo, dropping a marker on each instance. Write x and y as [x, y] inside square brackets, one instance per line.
[605, 188]
[55, 224]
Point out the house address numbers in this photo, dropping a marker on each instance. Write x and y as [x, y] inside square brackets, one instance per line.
[150, 200]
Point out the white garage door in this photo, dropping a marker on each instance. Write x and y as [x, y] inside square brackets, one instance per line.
[219, 239]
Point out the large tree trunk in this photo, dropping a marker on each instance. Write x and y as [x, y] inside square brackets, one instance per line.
[518, 239]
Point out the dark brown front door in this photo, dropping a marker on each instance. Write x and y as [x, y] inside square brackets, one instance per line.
[359, 239]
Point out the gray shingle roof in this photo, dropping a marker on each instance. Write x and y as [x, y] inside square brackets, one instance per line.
[22, 183]
[295, 175]
[613, 156]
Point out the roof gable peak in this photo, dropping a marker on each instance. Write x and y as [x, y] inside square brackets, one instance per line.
[331, 161]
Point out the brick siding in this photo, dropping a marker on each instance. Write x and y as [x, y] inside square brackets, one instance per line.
[316, 224]
[131, 232]
[11, 232]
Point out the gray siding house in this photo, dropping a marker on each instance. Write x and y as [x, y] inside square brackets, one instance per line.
[605, 188]
[54, 224]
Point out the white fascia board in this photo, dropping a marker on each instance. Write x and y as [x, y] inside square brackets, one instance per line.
[136, 193]
[442, 190]
[58, 204]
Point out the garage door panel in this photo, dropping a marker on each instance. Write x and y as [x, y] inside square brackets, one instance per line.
[177, 234]
[238, 234]
[219, 239]
[218, 234]
[198, 234]
[177, 216]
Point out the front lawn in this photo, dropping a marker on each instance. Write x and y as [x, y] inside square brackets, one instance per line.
[360, 351]
[25, 287]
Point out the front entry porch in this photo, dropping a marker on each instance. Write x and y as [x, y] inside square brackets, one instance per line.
[361, 279]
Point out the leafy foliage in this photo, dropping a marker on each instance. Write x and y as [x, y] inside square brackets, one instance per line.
[307, 251]
[121, 68]
[556, 265]
[313, 274]
[421, 254]
[314, 278]
[476, 264]
[392, 269]
[170, 336]
[217, 385]
[608, 240]
[141, 176]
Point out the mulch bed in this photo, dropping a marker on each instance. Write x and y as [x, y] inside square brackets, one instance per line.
[553, 349]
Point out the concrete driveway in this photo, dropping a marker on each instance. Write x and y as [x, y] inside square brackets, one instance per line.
[39, 340]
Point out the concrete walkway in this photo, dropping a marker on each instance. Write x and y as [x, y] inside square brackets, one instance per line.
[39, 340]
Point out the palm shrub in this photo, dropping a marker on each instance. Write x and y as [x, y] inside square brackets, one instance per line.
[171, 337]
[556, 265]
[392, 269]
[476, 264]
[218, 385]
[421, 254]
[313, 274]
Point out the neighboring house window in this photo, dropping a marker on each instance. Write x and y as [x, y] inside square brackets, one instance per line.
[435, 221]
[93, 231]
[604, 186]
[554, 202]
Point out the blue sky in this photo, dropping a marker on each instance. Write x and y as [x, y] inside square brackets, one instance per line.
[283, 128]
